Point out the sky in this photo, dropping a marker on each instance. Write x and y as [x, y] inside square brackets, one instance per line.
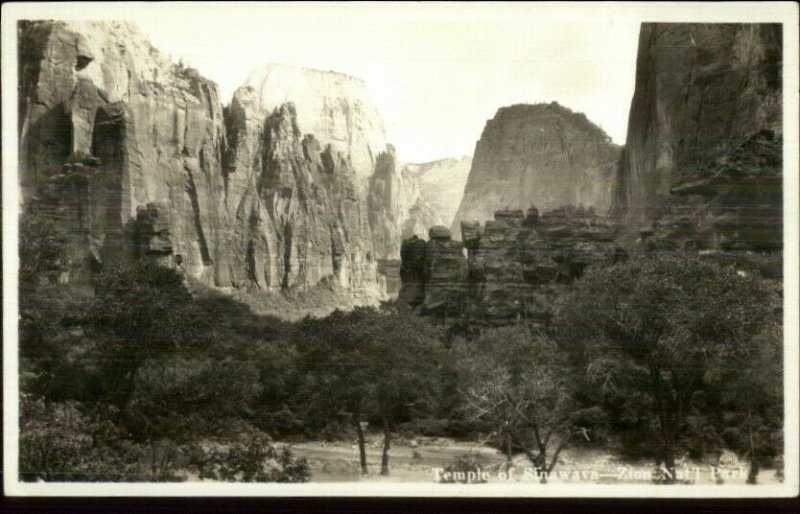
[436, 72]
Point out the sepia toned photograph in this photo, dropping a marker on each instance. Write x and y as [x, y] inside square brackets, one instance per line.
[422, 249]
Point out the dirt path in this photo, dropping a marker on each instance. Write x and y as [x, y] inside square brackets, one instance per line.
[339, 462]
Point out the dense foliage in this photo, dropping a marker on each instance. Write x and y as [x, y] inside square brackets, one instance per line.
[650, 358]
[673, 347]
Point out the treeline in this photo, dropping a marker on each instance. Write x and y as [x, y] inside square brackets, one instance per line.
[650, 358]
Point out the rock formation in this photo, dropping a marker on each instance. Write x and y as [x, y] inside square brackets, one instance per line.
[701, 91]
[541, 154]
[408, 203]
[291, 187]
[393, 192]
[514, 267]
[301, 210]
[441, 186]
[107, 126]
[344, 157]
[730, 211]
[701, 173]
[334, 107]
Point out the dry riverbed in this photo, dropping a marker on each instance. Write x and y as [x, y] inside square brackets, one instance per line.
[417, 460]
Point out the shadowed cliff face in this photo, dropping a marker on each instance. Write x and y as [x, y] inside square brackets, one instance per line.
[392, 193]
[701, 91]
[302, 218]
[336, 111]
[543, 155]
[133, 155]
[99, 88]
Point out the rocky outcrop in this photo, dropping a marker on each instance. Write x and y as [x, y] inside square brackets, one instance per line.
[515, 265]
[701, 91]
[541, 154]
[336, 108]
[731, 211]
[392, 193]
[102, 112]
[346, 168]
[441, 186]
[301, 211]
[133, 155]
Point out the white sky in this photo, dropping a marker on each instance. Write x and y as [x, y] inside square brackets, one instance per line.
[436, 72]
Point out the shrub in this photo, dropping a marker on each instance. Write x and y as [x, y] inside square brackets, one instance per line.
[466, 469]
[60, 442]
[252, 458]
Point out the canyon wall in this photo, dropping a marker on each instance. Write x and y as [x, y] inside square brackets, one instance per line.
[291, 187]
[441, 186]
[544, 155]
[701, 91]
[109, 127]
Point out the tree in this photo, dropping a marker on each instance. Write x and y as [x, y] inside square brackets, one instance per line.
[521, 383]
[750, 387]
[141, 311]
[369, 363]
[653, 327]
[42, 249]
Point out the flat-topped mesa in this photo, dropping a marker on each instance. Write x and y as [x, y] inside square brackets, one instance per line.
[513, 267]
[542, 154]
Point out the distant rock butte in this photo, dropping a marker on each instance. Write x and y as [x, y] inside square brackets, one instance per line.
[441, 186]
[544, 155]
[336, 108]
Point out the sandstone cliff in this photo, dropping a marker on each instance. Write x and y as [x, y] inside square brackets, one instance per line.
[336, 110]
[134, 129]
[133, 155]
[544, 155]
[300, 213]
[393, 192]
[701, 91]
[441, 186]
[515, 265]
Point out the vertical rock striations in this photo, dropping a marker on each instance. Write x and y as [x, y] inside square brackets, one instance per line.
[392, 194]
[334, 107]
[331, 178]
[701, 91]
[102, 111]
[541, 154]
[290, 188]
[441, 186]
[299, 210]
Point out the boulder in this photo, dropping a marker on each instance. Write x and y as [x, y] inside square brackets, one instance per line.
[439, 232]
